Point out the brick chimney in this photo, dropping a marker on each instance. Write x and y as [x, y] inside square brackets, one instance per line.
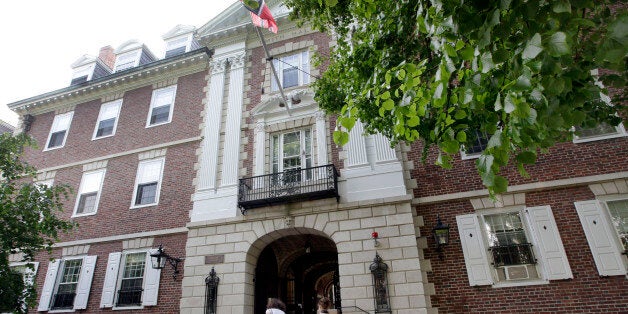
[107, 56]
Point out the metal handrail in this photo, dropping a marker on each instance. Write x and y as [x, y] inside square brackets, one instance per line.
[355, 308]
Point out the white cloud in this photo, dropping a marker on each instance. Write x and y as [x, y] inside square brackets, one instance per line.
[41, 39]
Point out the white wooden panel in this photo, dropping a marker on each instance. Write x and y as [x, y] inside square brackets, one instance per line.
[49, 285]
[111, 276]
[85, 282]
[151, 283]
[474, 250]
[548, 242]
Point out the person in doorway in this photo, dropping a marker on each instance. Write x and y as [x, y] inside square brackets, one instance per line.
[275, 306]
[324, 305]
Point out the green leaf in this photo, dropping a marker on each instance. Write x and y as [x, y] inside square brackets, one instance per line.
[498, 103]
[461, 137]
[561, 6]
[558, 45]
[487, 62]
[533, 48]
[331, 3]
[413, 121]
[347, 122]
[527, 157]
[509, 104]
[389, 104]
[450, 147]
[495, 140]
[500, 185]
[467, 53]
[460, 114]
[341, 137]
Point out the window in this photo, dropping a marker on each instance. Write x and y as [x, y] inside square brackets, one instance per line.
[176, 46]
[148, 182]
[480, 142]
[130, 281]
[67, 285]
[161, 106]
[516, 246]
[605, 225]
[89, 193]
[27, 270]
[600, 132]
[82, 74]
[292, 70]
[59, 130]
[107, 119]
[127, 60]
[291, 152]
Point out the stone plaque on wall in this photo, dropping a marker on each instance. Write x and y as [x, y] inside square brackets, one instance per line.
[215, 259]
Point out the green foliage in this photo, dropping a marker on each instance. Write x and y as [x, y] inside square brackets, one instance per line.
[524, 72]
[28, 214]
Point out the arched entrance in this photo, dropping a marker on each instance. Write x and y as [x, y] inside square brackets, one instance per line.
[298, 269]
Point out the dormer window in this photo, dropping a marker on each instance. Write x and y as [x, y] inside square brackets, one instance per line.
[82, 74]
[87, 68]
[127, 60]
[180, 40]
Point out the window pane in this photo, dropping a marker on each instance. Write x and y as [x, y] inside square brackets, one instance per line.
[130, 292]
[66, 289]
[291, 144]
[146, 193]
[105, 127]
[619, 219]
[56, 139]
[507, 240]
[160, 114]
[290, 77]
[87, 204]
[275, 153]
[479, 143]
[600, 130]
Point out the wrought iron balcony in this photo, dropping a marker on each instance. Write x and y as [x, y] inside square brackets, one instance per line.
[289, 186]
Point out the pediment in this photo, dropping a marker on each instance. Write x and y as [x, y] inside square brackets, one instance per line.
[128, 46]
[178, 31]
[237, 16]
[83, 60]
[300, 99]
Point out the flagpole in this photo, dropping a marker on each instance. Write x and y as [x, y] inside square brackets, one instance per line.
[272, 67]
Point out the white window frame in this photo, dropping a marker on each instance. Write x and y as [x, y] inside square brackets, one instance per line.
[51, 283]
[85, 70]
[602, 236]
[178, 42]
[155, 102]
[28, 275]
[465, 156]
[113, 281]
[303, 68]
[302, 140]
[139, 180]
[538, 222]
[58, 125]
[88, 188]
[106, 110]
[620, 131]
[123, 64]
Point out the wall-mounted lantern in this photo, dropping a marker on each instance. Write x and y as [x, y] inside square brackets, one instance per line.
[379, 269]
[211, 292]
[375, 237]
[441, 236]
[159, 258]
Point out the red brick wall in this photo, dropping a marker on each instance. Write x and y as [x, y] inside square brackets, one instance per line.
[587, 292]
[131, 132]
[566, 160]
[169, 289]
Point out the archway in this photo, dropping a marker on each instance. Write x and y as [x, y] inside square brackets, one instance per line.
[298, 269]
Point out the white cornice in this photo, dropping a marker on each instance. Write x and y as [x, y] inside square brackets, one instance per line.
[141, 77]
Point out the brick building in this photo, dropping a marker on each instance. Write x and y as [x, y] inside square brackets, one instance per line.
[123, 136]
[248, 184]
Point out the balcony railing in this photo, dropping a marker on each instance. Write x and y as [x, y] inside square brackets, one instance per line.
[289, 186]
[129, 297]
[514, 254]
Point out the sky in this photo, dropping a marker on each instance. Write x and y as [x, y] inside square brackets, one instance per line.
[42, 38]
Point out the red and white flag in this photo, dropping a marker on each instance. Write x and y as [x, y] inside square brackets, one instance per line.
[260, 14]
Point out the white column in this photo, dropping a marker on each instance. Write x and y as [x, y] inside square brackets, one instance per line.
[382, 147]
[321, 139]
[260, 145]
[356, 148]
[211, 131]
[231, 154]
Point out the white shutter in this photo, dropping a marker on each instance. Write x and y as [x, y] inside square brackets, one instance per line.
[49, 285]
[600, 236]
[548, 242]
[85, 282]
[474, 250]
[151, 282]
[111, 276]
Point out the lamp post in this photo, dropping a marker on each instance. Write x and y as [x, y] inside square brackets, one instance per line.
[441, 236]
[159, 258]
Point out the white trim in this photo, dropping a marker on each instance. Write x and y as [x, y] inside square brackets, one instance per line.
[121, 237]
[103, 107]
[134, 54]
[81, 192]
[523, 187]
[162, 161]
[620, 131]
[54, 127]
[168, 91]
